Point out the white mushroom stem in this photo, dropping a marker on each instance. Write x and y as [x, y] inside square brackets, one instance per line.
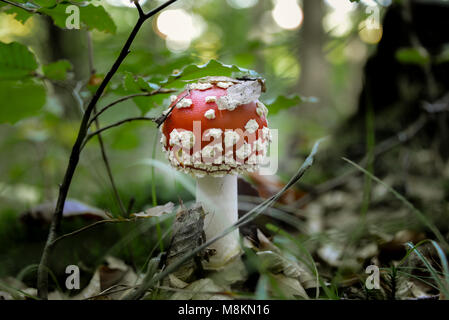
[218, 195]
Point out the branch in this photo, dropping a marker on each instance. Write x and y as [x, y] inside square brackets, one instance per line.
[143, 94]
[20, 6]
[89, 227]
[116, 124]
[90, 52]
[158, 9]
[139, 8]
[42, 274]
[159, 121]
[104, 155]
[109, 171]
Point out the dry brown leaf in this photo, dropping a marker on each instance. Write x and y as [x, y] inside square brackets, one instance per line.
[176, 282]
[265, 243]
[268, 186]
[115, 273]
[238, 94]
[155, 211]
[290, 287]
[203, 289]
[230, 274]
[187, 235]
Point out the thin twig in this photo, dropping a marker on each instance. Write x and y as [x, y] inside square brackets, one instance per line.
[42, 274]
[109, 170]
[17, 5]
[156, 10]
[90, 226]
[116, 124]
[165, 115]
[142, 94]
[109, 291]
[100, 138]
[130, 205]
[139, 8]
[90, 53]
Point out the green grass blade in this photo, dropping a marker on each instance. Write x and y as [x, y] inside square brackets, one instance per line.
[400, 197]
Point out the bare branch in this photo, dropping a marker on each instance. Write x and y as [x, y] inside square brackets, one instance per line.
[100, 139]
[17, 5]
[42, 274]
[139, 8]
[116, 124]
[158, 9]
[90, 226]
[165, 115]
[142, 94]
[90, 52]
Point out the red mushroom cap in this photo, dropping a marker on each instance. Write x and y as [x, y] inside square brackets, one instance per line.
[205, 134]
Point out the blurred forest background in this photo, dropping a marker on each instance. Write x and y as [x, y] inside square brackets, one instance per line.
[372, 76]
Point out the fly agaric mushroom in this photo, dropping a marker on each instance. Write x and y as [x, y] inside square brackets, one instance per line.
[216, 129]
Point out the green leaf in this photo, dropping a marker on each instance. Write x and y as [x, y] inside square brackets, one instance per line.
[134, 84]
[412, 56]
[178, 79]
[20, 99]
[19, 14]
[137, 84]
[16, 61]
[57, 70]
[145, 104]
[282, 102]
[91, 17]
[45, 3]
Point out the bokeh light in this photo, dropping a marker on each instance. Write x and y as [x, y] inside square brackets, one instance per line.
[371, 3]
[338, 21]
[242, 4]
[124, 3]
[11, 28]
[370, 35]
[342, 5]
[179, 28]
[287, 14]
